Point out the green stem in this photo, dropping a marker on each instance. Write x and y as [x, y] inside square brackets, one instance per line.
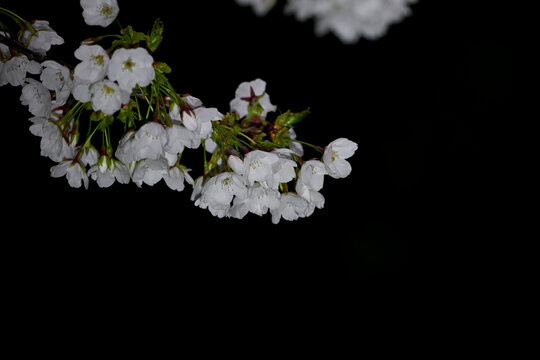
[307, 144]
[88, 138]
[19, 20]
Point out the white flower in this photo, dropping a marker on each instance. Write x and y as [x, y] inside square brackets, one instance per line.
[177, 138]
[259, 200]
[108, 97]
[74, 172]
[89, 156]
[15, 69]
[175, 176]
[260, 7]
[100, 12]
[284, 170]
[351, 19]
[150, 171]
[291, 207]
[149, 141]
[146, 143]
[270, 168]
[107, 170]
[53, 145]
[316, 200]
[334, 157]
[131, 67]
[219, 191]
[259, 166]
[82, 91]
[124, 151]
[197, 188]
[250, 93]
[46, 36]
[57, 78]
[94, 65]
[197, 126]
[310, 179]
[37, 97]
[236, 164]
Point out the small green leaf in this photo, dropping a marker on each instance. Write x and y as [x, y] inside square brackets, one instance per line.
[156, 36]
[289, 119]
[130, 37]
[162, 67]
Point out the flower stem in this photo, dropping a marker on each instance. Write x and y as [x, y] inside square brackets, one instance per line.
[19, 20]
[318, 148]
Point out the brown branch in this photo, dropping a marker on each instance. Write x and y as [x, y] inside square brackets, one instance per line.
[31, 55]
[13, 44]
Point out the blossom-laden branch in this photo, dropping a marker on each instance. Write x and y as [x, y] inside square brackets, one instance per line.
[253, 162]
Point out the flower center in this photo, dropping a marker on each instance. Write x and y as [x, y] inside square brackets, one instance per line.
[107, 90]
[335, 156]
[255, 164]
[106, 10]
[97, 60]
[129, 64]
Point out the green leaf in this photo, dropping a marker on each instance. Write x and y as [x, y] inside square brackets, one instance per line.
[156, 36]
[289, 119]
[162, 67]
[130, 37]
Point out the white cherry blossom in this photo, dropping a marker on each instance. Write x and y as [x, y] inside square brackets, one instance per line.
[73, 171]
[131, 67]
[291, 207]
[190, 128]
[259, 166]
[259, 200]
[57, 78]
[89, 156]
[175, 178]
[94, 63]
[219, 191]
[310, 179]
[108, 97]
[82, 91]
[150, 171]
[37, 97]
[251, 92]
[15, 69]
[334, 157]
[107, 170]
[100, 12]
[46, 36]
[351, 20]
[53, 145]
[260, 7]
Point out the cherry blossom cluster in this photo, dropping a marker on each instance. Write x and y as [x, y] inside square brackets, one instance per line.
[349, 20]
[252, 159]
[270, 175]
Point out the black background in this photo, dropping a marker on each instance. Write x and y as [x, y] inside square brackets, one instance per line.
[419, 102]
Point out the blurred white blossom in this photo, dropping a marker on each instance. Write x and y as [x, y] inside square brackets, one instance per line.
[260, 7]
